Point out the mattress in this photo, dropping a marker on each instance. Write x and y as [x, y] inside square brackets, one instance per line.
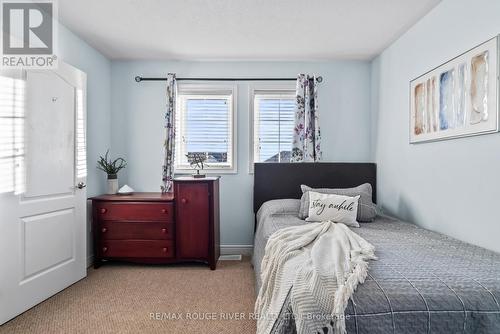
[422, 282]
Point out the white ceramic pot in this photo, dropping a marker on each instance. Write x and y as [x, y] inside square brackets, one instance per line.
[112, 184]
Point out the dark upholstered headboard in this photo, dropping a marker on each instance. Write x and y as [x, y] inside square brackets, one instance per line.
[283, 180]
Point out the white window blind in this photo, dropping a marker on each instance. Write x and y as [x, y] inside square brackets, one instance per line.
[12, 115]
[204, 122]
[274, 114]
[81, 146]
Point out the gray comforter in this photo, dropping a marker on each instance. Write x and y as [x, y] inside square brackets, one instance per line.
[422, 282]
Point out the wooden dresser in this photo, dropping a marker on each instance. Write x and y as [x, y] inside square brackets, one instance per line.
[159, 228]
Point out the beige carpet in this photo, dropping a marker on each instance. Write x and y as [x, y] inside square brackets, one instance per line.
[119, 298]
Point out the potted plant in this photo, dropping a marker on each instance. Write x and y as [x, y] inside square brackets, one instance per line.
[111, 168]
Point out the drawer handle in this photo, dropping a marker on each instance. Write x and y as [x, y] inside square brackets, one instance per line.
[104, 230]
[103, 210]
[184, 201]
[163, 210]
[163, 230]
[104, 249]
[164, 249]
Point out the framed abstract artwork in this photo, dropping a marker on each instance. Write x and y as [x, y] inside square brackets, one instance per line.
[458, 98]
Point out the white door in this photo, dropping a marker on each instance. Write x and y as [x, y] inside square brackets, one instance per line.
[42, 185]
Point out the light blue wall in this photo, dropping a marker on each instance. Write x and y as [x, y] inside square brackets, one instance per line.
[75, 51]
[448, 186]
[138, 133]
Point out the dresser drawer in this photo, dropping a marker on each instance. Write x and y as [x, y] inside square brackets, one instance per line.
[135, 211]
[137, 248]
[110, 230]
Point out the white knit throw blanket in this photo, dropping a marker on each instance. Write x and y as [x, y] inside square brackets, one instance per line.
[322, 264]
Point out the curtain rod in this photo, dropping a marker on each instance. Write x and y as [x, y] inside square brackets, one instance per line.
[319, 79]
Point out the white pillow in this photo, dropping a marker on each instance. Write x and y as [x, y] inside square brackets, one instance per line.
[337, 208]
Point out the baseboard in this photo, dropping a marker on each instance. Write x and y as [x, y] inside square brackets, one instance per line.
[236, 249]
[233, 257]
[90, 260]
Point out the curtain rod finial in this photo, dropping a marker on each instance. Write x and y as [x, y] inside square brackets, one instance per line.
[138, 79]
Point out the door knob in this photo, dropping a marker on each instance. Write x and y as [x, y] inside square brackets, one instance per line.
[81, 185]
[183, 201]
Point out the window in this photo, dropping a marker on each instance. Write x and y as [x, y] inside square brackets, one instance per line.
[81, 147]
[205, 125]
[12, 106]
[273, 123]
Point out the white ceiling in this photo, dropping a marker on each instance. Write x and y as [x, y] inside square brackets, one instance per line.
[241, 29]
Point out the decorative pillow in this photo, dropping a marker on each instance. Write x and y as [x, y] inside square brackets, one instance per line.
[278, 207]
[337, 208]
[367, 210]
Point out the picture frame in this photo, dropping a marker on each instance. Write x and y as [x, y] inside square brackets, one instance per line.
[458, 98]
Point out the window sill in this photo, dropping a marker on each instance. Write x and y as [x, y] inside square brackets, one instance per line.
[206, 171]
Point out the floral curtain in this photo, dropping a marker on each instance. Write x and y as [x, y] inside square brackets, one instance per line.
[168, 166]
[306, 145]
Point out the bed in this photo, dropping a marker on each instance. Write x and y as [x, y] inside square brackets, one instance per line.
[422, 282]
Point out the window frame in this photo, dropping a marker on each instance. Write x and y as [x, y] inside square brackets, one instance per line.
[208, 89]
[278, 87]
